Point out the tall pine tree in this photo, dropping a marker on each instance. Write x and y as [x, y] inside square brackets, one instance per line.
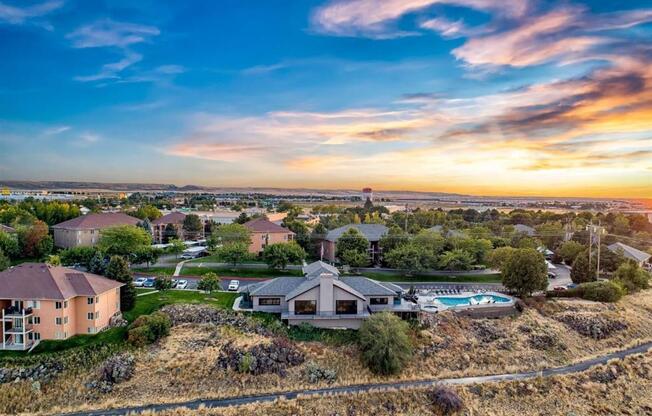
[118, 269]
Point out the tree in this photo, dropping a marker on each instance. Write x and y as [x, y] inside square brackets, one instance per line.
[354, 258]
[170, 233]
[54, 260]
[77, 255]
[146, 254]
[632, 277]
[525, 272]
[385, 343]
[192, 227]
[118, 269]
[177, 247]
[123, 240]
[97, 264]
[233, 253]
[394, 238]
[412, 258]
[163, 283]
[456, 259]
[301, 233]
[609, 260]
[242, 218]
[620, 225]
[354, 244]
[431, 240]
[147, 212]
[569, 250]
[231, 233]
[478, 248]
[279, 255]
[30, 240]
[497, 258]
[551, 234]
[145, 225]
[9, 245]
[581, 271]
[209, 282]
[5, 263]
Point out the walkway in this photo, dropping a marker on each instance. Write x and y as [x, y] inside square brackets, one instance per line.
[365, 388]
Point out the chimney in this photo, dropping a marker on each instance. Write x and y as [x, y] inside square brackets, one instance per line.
[326, 301]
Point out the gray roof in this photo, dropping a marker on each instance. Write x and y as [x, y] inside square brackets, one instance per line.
[312, 283]
[367, 286]
[522, 228]
[449, 233]
[280, 286]
[630, 252]
[316, 268]
[372, 232]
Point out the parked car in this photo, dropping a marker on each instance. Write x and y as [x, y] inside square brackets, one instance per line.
[572, 285]
[174, 282]
[188, 256]
[182, 284]
[140, 282]
[234, 285]
[149, 282]
[559, 288]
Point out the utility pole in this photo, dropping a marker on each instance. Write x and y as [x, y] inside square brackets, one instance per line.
[406, 217]
[595, 238]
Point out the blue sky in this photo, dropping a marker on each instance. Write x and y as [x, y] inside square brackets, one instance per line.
[477, 96]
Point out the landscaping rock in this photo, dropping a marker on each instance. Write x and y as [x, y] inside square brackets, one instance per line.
[544, 341]
[203, 314]
[42, 372]
[261, 359]
[117, 321]
[487, 331]
[118, 368]
[591, 325]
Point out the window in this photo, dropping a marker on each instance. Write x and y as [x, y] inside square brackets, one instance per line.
[57, 305]
[90, 301]
[65, 304]
[58, 321]
[346, 307]
[97, 315]
[378, 301]
[90, 316]
[35, 320]
[97, 299]
[34, 304]
[305, 307]
[37, 336]
[65, 320]
[269, 301]
[91, 330]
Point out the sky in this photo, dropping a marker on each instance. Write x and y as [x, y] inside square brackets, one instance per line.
[485, 97]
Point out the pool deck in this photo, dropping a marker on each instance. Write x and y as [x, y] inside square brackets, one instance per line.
[431, 303]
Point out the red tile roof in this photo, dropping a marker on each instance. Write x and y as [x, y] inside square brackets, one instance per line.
[171, 218]
[39, 281]
[261, 225]
[98, 221]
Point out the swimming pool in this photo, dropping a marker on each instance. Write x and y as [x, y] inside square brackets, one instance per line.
[471, 300]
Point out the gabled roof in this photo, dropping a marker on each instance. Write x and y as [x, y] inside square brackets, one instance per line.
[40, 281]
[7, 229]
[372, 232]
[175, 217]
[367, 286]
[261, 225]
[526, 229]
[279, 286]
[449, 233]
[312, 283]
[95, 221]
[316, 268]
[630, 252]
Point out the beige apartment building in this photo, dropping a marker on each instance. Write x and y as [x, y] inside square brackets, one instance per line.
[85, 229]
[40, 302]
[265, 232]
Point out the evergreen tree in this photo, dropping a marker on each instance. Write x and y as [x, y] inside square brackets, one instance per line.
[581, 271]
[118, 269]
[97, 265]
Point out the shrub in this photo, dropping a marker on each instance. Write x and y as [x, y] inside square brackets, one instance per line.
[603, 291]
[163, 283]
[385, 343]
[209, 282]
[147, 329]
[314, 373]
[446, 400]
[632, 277]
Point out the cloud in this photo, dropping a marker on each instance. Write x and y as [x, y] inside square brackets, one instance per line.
[20, 15]
[377, 18]
[86, 139]
[111, 71]
[109, 33]
[447, 28]
[53, 131]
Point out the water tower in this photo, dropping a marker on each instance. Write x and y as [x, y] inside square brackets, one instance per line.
[367, 194]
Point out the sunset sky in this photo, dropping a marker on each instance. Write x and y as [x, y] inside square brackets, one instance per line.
[488, 97]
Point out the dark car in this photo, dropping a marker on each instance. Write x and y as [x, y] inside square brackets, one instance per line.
[149, 282]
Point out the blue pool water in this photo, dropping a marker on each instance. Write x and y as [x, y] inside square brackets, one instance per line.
[459, 301]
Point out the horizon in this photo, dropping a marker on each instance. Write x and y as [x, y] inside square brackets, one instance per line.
[527, 99]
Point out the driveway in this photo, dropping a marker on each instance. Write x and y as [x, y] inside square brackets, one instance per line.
[563, 276]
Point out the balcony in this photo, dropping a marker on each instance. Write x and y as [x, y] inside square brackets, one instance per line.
[14, 312]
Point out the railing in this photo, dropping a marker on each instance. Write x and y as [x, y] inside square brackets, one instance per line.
[325, 314]
[16, 312]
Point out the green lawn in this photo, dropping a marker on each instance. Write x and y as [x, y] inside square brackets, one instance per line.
[144, 305]
[462, 278]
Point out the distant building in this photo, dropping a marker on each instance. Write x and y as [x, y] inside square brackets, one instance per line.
[264, 232]
[85, 230]
[372, 232]
[449, 233]
[40, 302]
[525, 229]
[640, 257]
[174, 219]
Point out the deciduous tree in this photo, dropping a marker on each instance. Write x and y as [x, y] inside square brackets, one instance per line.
[525, 272]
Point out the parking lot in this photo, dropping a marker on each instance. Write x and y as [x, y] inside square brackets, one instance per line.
[224, 282]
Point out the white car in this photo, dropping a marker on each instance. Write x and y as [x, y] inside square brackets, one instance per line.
[182, 284]
[188, 256]
[234, 285]
[140, 281]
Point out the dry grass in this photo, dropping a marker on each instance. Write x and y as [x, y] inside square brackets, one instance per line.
[178, 369]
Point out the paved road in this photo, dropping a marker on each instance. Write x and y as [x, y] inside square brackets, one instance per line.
[563, 276]
[363, 388]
